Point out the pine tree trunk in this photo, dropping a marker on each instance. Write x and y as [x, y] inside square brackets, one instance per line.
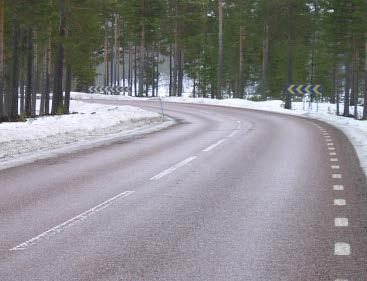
[1, 59]
[117, 52]
[347, 90]
[135, 70]
[333, 86]
[288, 101]
[355, 84]
[265, 63]
[35, 77]
[29, 87]
[170, 70]
[180, 73]
[105, 60]
[142, 59]
[365, 81]
[240, 89]
[13, 110]
[57, 99]
[130, 73]
[47, 68]
[68, 80]
[220, 50]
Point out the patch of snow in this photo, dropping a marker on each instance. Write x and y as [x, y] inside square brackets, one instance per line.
[90, 125]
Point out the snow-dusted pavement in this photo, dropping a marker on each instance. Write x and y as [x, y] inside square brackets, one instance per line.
[355, 130]
[88, 126]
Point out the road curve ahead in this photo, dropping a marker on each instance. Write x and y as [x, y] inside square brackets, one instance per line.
[227, 194]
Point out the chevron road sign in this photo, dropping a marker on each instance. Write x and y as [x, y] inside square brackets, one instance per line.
[114, 90]
[301, 90]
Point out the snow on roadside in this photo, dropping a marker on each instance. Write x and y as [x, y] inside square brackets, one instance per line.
[355, 130]
[91, 125]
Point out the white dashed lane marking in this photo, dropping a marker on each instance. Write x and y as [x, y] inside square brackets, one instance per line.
[336, 176]
[341, 222]
[174, 168]
[340, 202]
[332, 153]
[338, 187]
[214, 145]
[67, 224]
[342, 249]
[335, 167]
[334, 159]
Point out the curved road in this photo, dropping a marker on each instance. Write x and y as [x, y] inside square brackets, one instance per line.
[227, 194]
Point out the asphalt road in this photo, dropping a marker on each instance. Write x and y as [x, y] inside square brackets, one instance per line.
[227, 194]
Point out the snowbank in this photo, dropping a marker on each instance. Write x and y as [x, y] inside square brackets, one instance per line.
[355, 130]
[90, 125]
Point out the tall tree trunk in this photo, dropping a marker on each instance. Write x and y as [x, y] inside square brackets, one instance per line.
[47, 68]
[130, 70]
[117, 51]
[135, 70]
[180, 73]
[365, 80]
[170, 70]
[333, 85]
[347, 90]
[288, 100]
[142, 59]
[265, 62]
[240, 89]
[105, 59]
[1, 59]
[220, 50]
[68, 80]
[21, 88]
[13, 110]
[57, 98]
[157, 75]
[337, 86]
[355, 78]
[29, 88]
[35, 76]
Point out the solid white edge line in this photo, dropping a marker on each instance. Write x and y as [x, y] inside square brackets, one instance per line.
[61, 227]
[342, 249]
[173, 168]
[337, 176]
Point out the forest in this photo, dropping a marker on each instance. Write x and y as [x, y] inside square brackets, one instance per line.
[228, 48]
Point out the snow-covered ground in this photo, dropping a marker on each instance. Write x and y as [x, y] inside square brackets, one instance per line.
[90, 125]
[355, 130]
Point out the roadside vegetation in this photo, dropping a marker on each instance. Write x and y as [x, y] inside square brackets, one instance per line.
[229, 48]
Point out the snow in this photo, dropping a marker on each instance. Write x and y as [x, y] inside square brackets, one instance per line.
[90, 125]
[355, 130]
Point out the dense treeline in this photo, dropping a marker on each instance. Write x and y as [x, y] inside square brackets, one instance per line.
[229, 48]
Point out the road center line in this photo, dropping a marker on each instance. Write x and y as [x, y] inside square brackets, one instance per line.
[341, 222]
[67, 224]
[232, 134]
[338, 187]
[214, 145]
[174, 168]
[340, 202]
